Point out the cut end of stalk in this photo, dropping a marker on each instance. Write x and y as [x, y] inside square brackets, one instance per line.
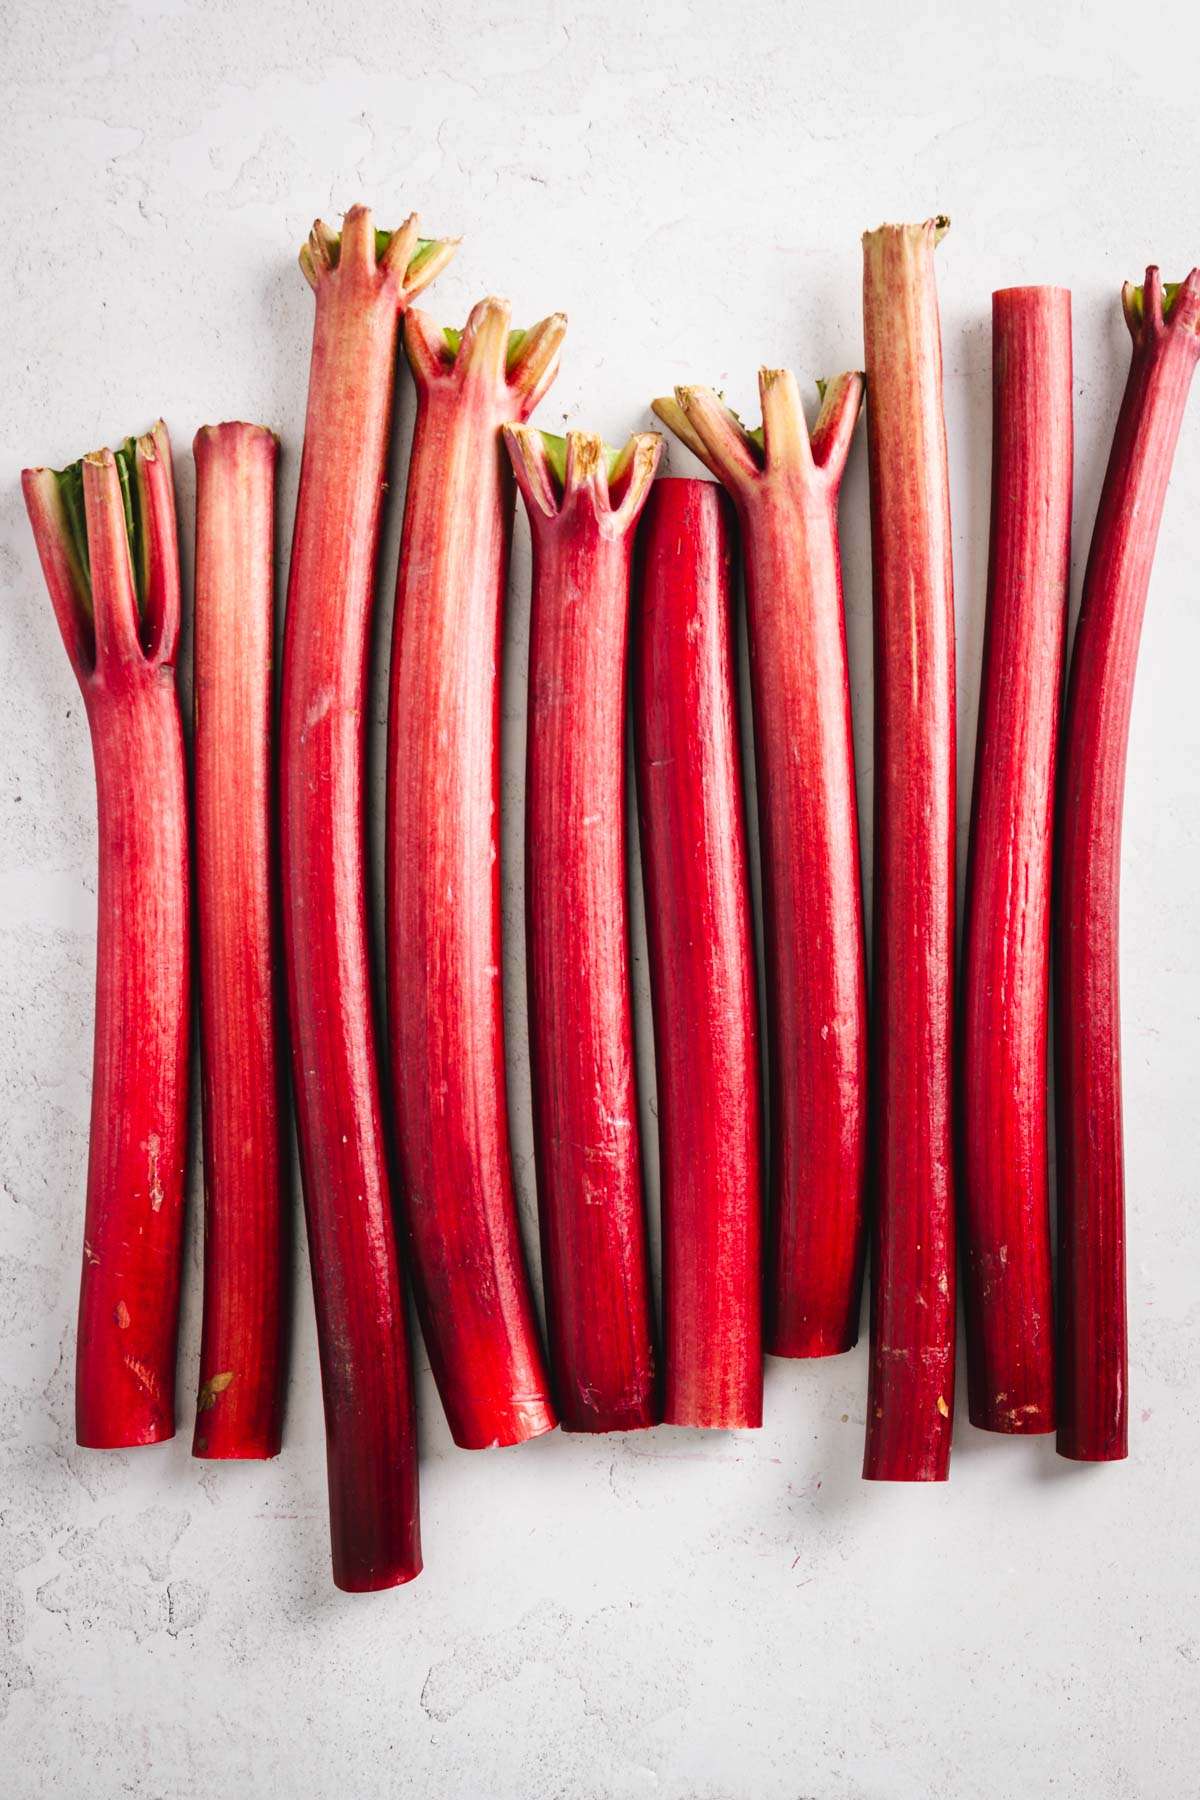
[1155, 306]
[236, 453]
[239, 431]
[525, 361]
[712, 431]
[364, 248]
[1041, 293]
[890, 241]
[69, 508]
[935, 229]
[555, 472]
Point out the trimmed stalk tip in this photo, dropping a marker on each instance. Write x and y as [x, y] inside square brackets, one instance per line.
[362, 248]
[1155, 305]
[487, 349]
[712, 431]
[553, 471]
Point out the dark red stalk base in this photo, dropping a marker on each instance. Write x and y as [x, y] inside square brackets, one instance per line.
[1093, 1398]
[786, 492]
[595, 1260]
[361, 1325]
[1006, 934]
[910, 1398]
[445, 1001]
[701, 954]
[124, 660]
[239, 1412]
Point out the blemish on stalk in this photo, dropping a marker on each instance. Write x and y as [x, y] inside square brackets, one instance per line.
[214, 1386]
[89, 1255]
[322, 705]
[145, 1377]
[121, 1316]
[942, 1407]
[152, 1146]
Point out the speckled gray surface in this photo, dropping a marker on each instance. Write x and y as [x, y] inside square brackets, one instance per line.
[668, 1615]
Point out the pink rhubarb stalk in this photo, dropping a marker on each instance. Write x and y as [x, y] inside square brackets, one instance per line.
[701, 954]
[445, 1002]
[1093, 1401]
[105, 532]
[910, 1398]
[363, 282]
[785, 486]
[583, 505]
[240, 1407]
[1006, 930]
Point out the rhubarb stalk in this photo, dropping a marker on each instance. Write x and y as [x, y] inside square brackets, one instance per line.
[785, 486]
[240, 1408]
[364, 282]
[445, 1003]
[1093, 1401]
[1006, 929]
[910, 1398]
[105, 532]
[701, 954]
[583, 505]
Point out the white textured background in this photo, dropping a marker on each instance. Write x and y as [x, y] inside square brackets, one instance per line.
[670, 1615]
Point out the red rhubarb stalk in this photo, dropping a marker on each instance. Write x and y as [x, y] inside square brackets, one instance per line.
[785, 486]
[363, 282]
[240, 1408]
[445, 1001]
[583, 506]
[1006, 928]
[106, 535]
[910, 1398]
[701, 956]
[1093, 1404]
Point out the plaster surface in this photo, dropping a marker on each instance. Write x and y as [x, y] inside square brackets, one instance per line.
[671, 1616]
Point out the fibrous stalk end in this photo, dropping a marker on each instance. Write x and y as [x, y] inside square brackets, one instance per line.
[555, 471]
[413, 260]
[525, 360]
[931, 231]
[1154, 306]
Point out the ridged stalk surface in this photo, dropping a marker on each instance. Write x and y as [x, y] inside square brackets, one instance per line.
[785, 487]
[1093, 1391]
[1008, 1280]
[361, 1327]
[910, 1397]
[445, 996]
[701, 951]
[106, 534]
[239, 1411]
[591, 1206]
